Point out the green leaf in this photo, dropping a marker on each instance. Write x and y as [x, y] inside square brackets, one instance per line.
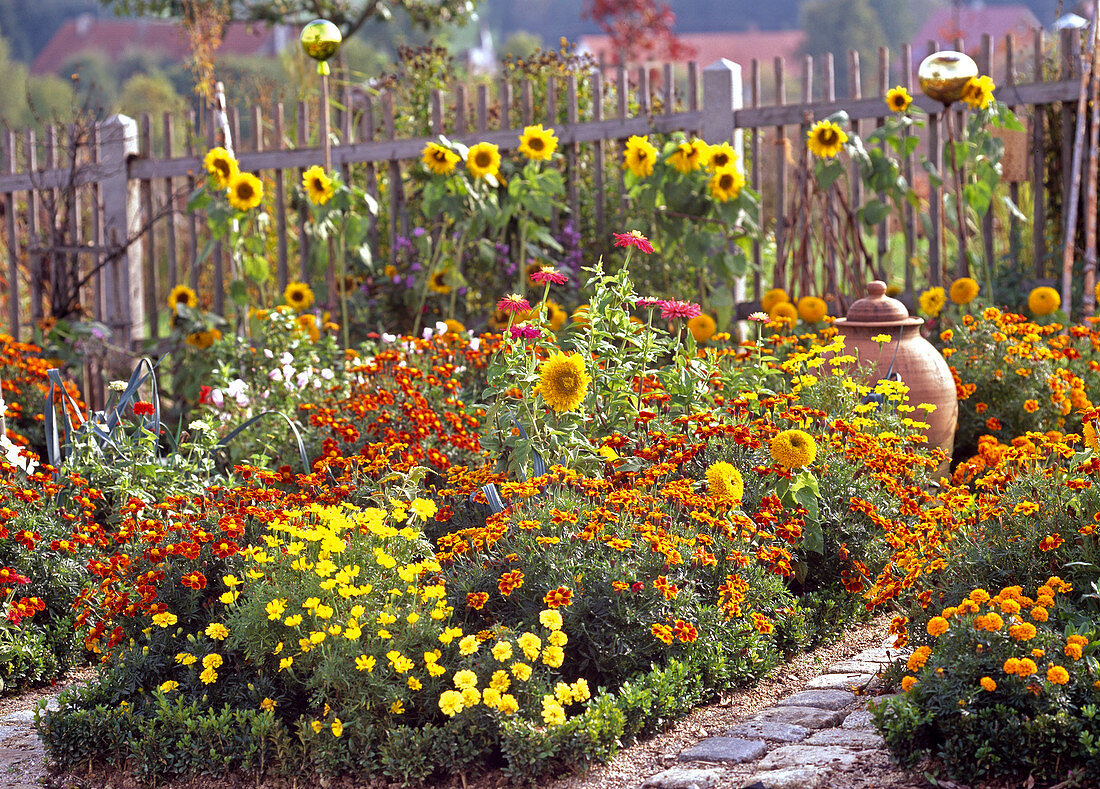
[256, 268]
[238, 292]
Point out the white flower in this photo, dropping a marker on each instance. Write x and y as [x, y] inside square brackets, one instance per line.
[440, 327]
[286, 358]
[302, 379]
[386, 337]
[14, 456]
[328, 374]
[117, 386]
[475, 343]
[276, 374]
[427, 333]
[236, 388]
[199, 426]
[268, 353]
[217, 398]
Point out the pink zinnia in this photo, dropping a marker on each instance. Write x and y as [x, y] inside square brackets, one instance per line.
[647, 302]
[525, 331]
[633, 239]
[679, 309]
[549, 274]
[513, 303]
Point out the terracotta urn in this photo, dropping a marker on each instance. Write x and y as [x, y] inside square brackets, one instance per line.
[908, 355]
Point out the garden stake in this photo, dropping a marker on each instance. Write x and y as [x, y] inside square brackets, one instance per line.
[1068, 246]
[1088, 299]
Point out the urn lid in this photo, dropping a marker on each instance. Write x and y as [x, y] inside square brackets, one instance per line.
[878, 309]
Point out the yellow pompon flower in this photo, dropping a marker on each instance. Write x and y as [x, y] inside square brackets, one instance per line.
[1092, 439]
[1057, 675]
[483, 160]
[898, 99]
[563, 381]
[907, 683]
[725, 481]
[217, 631]
[963, 290]
[208, 676]
[538, 144]
[988, 684]
[812, 309]
[308, 324]
[772, 298]
[318, 185]
[337, 727]
[793, 449]
[689, 156]
[298, 295]
[551, 619]
[932, 301]
[978, 92]
[937, 626]
[169, 686]
[502, 651]
[721, 156]
[726, 184]
[825, 139]
[1043, 301]
[165, 619]
[438, 159]
[245, 191]
[424, 508]
[454, 326]
[783, 311]
[220, 164]
[639, 156]
[182, 295]
[702, 327]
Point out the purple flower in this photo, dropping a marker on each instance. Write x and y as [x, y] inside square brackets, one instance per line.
[418, 232]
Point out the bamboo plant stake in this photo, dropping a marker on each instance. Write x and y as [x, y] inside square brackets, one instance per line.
[1088, 301]
[1068, 248]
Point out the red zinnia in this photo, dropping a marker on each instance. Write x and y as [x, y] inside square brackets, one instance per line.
[524, 331]
[549, 274]
[647, 302]
[556, 598]
[513, 303]
[142, 408]
[679, 309]
[633, 239]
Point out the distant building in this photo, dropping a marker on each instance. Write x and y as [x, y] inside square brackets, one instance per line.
[945, 25]
[740, 47]
[113, 38]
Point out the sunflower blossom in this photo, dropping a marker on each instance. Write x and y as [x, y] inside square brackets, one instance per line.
[563, 381]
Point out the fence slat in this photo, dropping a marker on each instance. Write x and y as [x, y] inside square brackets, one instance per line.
[282, 264]
[935, 194]
[149, 258]
[985, 66]
[1038, 172]
[572, 150]
[304, 244]
[883, 229]
[170, 190]
[754, 155]
[192, 219]
[781, 145]
[7, 168]
[1013, 186]
[910, 212]
[597, 159]
[366, 132]
[30, 155]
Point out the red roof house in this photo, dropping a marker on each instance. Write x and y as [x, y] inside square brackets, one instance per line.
[946, 24]
[705, 48]
[114, 37]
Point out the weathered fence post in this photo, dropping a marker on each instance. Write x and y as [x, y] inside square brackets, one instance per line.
[123, 279]
[722, 96]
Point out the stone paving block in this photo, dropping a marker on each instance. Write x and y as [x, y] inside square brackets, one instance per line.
[860, 719]
[770, 730]
[20, 717]
[683, 778]
[845, 681]
[809, 717]
[822, 699]
[856, 739]
[808, 755]
[724, 749]
[788, 778]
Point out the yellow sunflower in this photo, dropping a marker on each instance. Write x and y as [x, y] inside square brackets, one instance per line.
[220, 164]
[563, 381]
[580, 315]
[898, 99]
[181, 294]
[725, 481]
[245, 191]
[963, 290]
[793, 448]
[979, 92]
[689, 156]
[721, 156]
[639, 156]
[825, 139]
[1043, 301]
[318, 185]
[773, 297]
[555, 315]
[438, 159]
[702, 327]
[498, 320]
[483, 160]
[203, 339]
[537, 143]
[298, 295]
[454, 326]
[726, 184]
[437, 283]
[812, 309]
[932, 301]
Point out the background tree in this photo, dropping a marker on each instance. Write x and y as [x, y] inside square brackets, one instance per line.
[639, 29]
[837, 26]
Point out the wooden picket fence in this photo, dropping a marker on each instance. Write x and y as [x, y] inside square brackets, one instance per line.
[97, 215]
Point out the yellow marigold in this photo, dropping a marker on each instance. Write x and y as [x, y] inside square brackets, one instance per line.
[1073, 651]
[932, 301]
[245, 191]
[1024, 631]
[1025, 668]
[208, 676]
[508, 704]
[169, 686]
[502, 650]
[550, 619]
[553, 656]
[918, 658]
[1057, 675]
[1043, 301]
[530, 644]
[563, 381]
[726, 184]
[581, 691]
[318, 185]
[812, 309]
[639, 156]
[937, 626]
[521, 671]
[963, 290]
[783, 311]
[825, 139]
[483, 160]
[1011, 666]
[217, 631]
[988, 684]
[907, 683]
[439, 159]
[450, 702]
[725, 481]
[898, 99]
[773, 297]
[182, 295]
[220, 164]
[793, 449]
[552, 712]
[702, 327]
[537, 143]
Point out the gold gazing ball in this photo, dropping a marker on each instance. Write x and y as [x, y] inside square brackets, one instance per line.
[320, 40]
[944, 75]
